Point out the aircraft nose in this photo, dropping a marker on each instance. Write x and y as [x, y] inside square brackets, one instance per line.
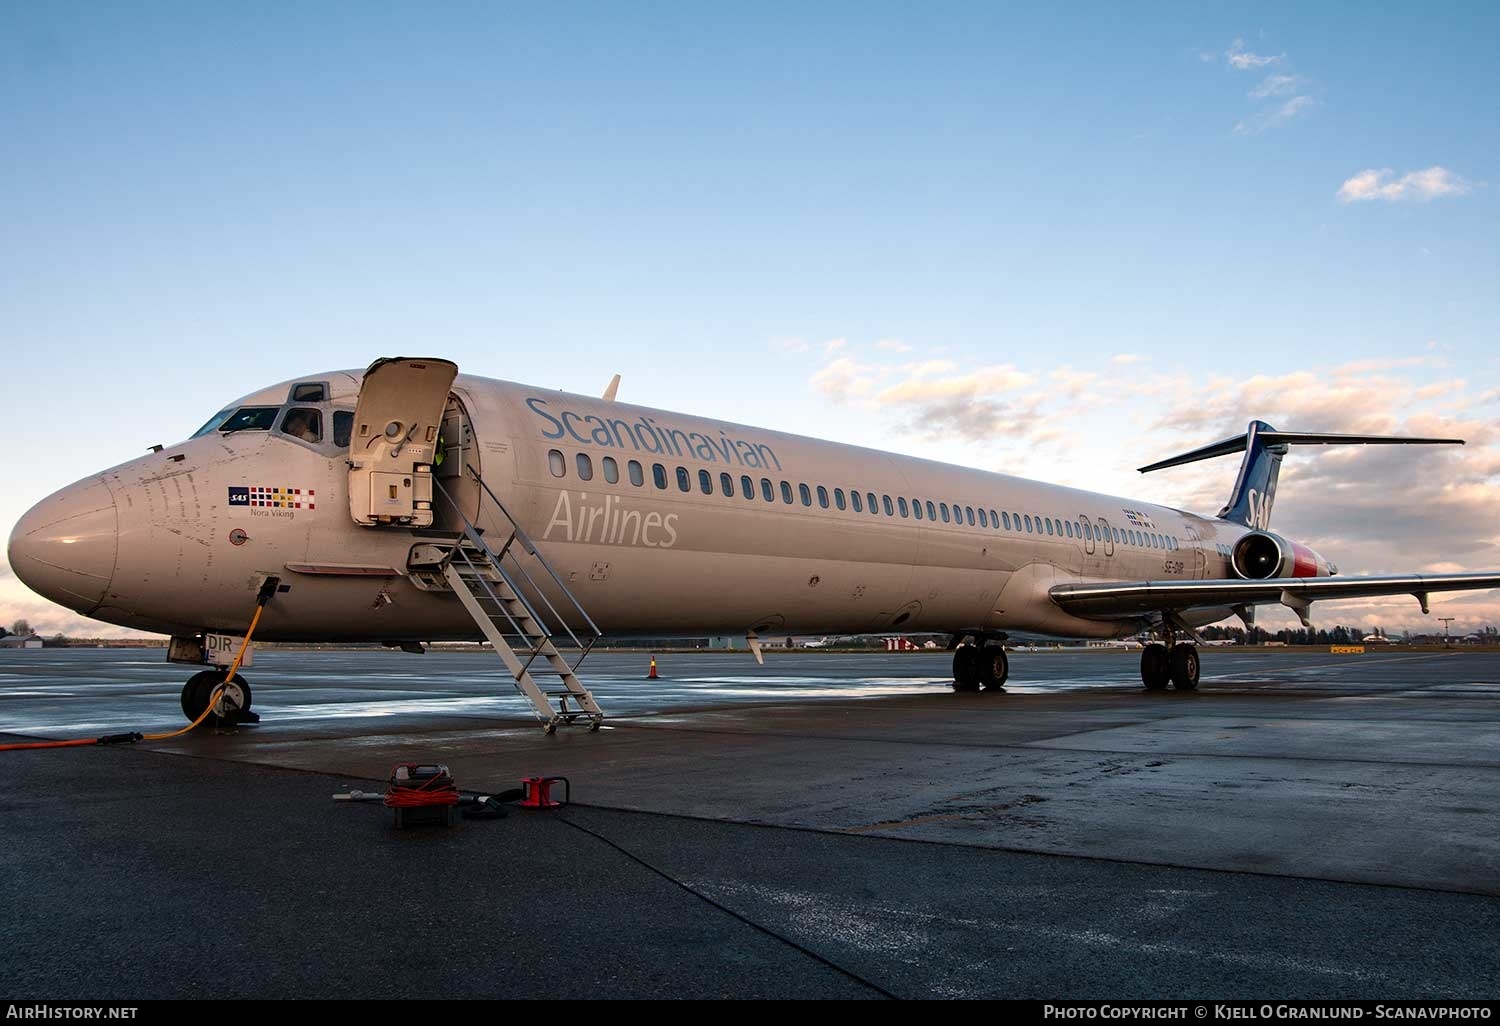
[64, 547]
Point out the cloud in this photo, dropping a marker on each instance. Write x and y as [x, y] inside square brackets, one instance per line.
[844, 379]
[892, 345]
[1276, 116]
[1127, 358]
[1277, 85]
[1243, 60]
[833, 345]
[985, 381]
[1414, 186]
[923, 368]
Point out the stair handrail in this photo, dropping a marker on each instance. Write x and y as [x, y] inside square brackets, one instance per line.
[531, 549]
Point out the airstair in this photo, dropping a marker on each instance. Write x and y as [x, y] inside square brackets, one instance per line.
[510, 606]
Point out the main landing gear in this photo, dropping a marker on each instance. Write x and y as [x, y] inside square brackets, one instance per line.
[233, 705]
[983, 665]
[1175, 662]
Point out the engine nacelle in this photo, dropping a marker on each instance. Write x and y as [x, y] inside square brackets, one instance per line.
[1261, 555]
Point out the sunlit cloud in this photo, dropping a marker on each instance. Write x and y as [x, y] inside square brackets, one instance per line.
[1243, 60]
[1276, 116]
[1414, 186]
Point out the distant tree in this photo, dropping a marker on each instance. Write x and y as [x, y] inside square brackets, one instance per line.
[21, 627]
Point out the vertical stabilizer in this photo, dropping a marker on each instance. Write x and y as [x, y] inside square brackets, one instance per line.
[1255, 488]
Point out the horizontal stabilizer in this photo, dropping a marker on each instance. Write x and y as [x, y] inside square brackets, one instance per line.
[1272, 437]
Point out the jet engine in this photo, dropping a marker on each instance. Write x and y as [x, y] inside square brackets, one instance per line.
[1261, 555]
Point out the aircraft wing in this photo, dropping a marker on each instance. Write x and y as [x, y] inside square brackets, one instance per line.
[1124, 599]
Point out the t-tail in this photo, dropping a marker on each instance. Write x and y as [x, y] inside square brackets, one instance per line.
[1255, 489]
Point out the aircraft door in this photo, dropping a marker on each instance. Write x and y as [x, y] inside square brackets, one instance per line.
[397, 420]
[1200, 558]
[1109, 540]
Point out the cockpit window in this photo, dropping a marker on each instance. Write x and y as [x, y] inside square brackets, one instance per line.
[251, 418]
[303, 423]
[213, 422]
[343, 428]
[312, 392]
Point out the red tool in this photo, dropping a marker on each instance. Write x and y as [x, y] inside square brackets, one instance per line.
[537, 793]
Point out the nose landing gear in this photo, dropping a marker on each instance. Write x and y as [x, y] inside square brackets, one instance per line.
[232, 706]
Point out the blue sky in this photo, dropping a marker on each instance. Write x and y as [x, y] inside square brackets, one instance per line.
[919, 228]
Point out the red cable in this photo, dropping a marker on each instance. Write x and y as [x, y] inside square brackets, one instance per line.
[436, 791]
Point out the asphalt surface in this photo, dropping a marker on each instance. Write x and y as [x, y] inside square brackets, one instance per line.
[828, 826]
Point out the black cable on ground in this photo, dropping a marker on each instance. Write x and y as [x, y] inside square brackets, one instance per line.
[638, 860]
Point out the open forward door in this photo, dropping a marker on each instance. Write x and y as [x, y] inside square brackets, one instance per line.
[397, 422]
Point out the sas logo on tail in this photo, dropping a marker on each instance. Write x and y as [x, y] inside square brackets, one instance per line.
[1258, 508]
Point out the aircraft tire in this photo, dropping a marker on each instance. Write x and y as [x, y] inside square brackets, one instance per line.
[994, 667]
[201, 685]
[966, 668]
[1184, 666]
[1155, 673]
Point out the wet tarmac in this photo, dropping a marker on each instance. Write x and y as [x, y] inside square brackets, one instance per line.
[1306, 825]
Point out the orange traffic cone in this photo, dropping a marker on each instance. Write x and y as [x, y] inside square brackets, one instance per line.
[652, 674]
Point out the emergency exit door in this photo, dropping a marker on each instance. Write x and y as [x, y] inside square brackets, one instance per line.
[397, 421]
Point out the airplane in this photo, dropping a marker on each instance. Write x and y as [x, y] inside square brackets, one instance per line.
[409, 504]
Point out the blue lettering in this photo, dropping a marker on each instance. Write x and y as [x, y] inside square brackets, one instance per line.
[536, 405]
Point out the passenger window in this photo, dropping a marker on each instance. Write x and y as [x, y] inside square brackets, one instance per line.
[684, 480]
[315, 392]
[747, 486]
[1005, 517]
[854, 501]
[916, 508]
[822, 496]
[994, 520]
[931, 511]
[870, 501]
[726, 485]
[901, 505]
[1068, 527]
[706, 482]
[766, 491]
[1028, 525]
[803, 491]
[637, 476]
[969, 514]
[659, 475]
[943, 509]
[343, 428]
[556, 463]
[984, 521]
[611, 470]
[304, 424]
[786, 492]
[1049, 525]
[1088, 532]
[585, 467]
[886, 501]
[838, 497]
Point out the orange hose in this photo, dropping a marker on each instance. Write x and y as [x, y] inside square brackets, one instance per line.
[207, 709]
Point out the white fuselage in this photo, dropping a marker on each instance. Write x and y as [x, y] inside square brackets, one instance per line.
[179, 541]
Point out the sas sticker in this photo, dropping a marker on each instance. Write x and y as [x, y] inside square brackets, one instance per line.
[272, 497]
